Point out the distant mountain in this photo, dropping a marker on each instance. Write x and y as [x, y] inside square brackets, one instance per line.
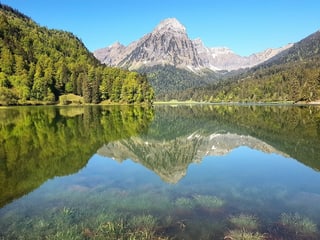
[173, 62]
[169, 44]
[222, 58]
[292, 75]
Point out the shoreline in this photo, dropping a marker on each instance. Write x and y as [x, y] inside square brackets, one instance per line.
[172, 103]
[288, 103]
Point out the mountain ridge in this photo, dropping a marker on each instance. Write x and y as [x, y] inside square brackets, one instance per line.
[169, 43]
[291, 76]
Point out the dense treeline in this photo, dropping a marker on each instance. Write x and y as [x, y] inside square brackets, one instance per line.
[170, 81]
[285, 82]
[40, 64]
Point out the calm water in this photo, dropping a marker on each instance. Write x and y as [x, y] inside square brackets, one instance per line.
[200, 172]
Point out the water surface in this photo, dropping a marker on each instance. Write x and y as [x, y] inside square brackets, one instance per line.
[159, 173]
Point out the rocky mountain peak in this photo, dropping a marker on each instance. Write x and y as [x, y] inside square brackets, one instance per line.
[170, 25]
[169, 44]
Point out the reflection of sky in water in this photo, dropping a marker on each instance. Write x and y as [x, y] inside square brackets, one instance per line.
[244, 175]
[249, 181]
[242, 168]
[253, 167]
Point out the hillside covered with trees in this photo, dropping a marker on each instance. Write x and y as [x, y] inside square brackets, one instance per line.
[293, 75]
[39, 65]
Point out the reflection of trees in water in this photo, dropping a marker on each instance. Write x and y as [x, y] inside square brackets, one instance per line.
[181, 135]
[292, 130]
[39, 143]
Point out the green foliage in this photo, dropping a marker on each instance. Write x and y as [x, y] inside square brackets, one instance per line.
[278, 83]
[41, 64]
[169, 81]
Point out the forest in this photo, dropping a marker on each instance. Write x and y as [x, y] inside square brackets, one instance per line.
[37, 65]
[292, 82]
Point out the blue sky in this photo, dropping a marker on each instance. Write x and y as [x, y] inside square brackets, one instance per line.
[245, 26]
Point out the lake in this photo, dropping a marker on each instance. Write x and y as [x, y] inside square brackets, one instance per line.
[166, 172]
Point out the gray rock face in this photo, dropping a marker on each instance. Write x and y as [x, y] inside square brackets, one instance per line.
[223, 58]
[169, 44]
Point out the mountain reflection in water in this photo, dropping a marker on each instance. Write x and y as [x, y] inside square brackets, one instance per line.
[222, 163]
[170, 159]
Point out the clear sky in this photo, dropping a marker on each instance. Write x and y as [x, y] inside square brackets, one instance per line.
[245, 26]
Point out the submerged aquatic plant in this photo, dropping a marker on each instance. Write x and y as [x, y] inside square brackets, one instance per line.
[244, 221]
[112, 230]
[241, 234]
[146, 222]
[210, 202]
[298, 224]
[138, 228]
[184, 203]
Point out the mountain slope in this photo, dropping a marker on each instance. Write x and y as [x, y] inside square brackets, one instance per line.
[38, 65]
[168, 43]
[173, 62]
[305, 49]
[293, 75]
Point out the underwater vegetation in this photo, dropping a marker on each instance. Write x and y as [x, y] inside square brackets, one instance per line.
[184, 203]
[244, 221]
[241, 234]
[204, 201]
[209, 202]
[140, 227]
[145, 222]
[297, 224]
[245, 228]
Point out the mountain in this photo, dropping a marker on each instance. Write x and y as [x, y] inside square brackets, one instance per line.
[174, 63]
[38, 65]
[304, 50]
[222, 58]
[292, 75]
[169, 44]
